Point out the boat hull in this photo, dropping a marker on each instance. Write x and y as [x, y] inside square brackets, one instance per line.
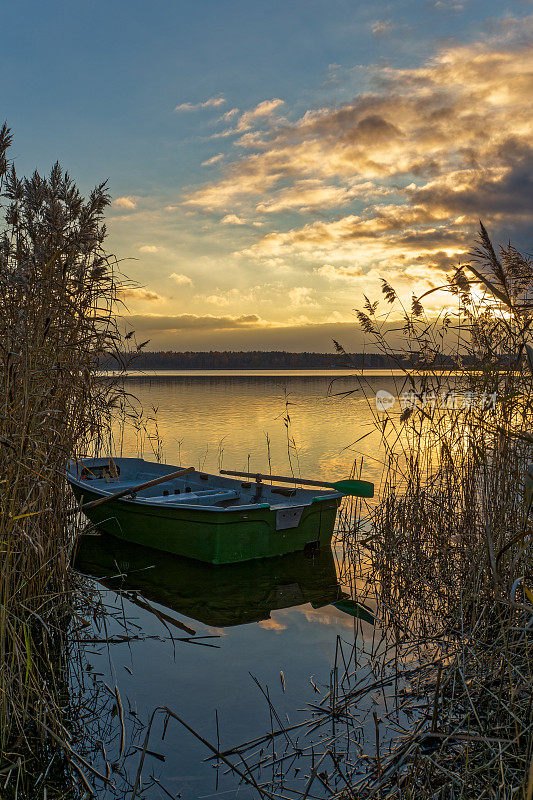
[216, 536]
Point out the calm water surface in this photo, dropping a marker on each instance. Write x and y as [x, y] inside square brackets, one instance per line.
[272, 617]
[216, 419]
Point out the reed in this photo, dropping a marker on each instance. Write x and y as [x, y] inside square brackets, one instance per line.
[452, 550]
[437, 701]
[58, 294]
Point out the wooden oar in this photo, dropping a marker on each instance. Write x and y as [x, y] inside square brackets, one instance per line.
[134, 489]
[347, 486]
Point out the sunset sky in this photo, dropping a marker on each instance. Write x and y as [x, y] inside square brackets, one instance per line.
[269, 161]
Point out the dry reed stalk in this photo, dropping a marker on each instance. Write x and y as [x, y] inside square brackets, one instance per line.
[445, 555]
[58, 296]
[450, 552]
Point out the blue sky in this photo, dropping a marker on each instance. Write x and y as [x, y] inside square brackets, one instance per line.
[275, 240]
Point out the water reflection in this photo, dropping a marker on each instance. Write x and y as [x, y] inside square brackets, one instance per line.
[295, 605]
[241, 424]
[218, 596]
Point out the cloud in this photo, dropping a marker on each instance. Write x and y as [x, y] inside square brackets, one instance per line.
[396, 221]
[140, 294]
[311, 194]
[128, 202]
[232, 219]
[213, 160]
[240, 182]
[217, 299]
[366, 255]
[332, 74]
[264, 109]
[301, 296]
[184, 322]
[180, 279]
[272, 625]
[381, 27]
[149, 248]
[419, 157]
[241, 297]
[211, 102]
[449, 5]
[263, 112]
[339, 273]
[228, 115]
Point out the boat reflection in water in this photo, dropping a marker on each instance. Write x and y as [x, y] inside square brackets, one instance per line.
[218, 596]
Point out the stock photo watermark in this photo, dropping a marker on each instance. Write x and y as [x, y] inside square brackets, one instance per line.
[385, 401]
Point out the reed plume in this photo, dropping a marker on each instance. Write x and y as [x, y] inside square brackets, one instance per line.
[435, 704]
[58, 291]
[450, 558]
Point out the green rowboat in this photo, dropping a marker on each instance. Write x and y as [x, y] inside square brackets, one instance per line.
[206, 517]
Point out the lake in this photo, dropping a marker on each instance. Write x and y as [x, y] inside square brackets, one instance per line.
[223, 419]
[272, 621]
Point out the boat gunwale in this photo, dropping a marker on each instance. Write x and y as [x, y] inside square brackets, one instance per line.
[147, 502]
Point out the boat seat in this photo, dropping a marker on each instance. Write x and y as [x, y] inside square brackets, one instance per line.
[200, 498]
[116, 485]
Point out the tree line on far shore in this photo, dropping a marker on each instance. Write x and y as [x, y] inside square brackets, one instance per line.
[258, 359]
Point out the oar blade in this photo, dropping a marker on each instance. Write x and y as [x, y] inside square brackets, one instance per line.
[355, 610]
[355, 488]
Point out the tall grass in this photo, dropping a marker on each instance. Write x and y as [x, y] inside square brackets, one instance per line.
[451, 550]
[436, 702]
[57, 296]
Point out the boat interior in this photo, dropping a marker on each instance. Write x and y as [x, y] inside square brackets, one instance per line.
[107, 476]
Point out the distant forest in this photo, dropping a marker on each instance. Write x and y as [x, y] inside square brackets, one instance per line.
[255, 359]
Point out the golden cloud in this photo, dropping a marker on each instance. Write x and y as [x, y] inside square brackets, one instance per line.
[243, 297]
[243, 180]
[232, 219]
[272, 625]
[263, 112]
[211, 102]
[181, 279]
[139, 293]
[310, 194]
[264, 109]
[228, 115]
[339, 273]
[301, 296]
[128, 202]
[422, 156]
[213, 160]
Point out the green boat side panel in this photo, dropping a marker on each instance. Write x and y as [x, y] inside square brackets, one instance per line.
[225, 537]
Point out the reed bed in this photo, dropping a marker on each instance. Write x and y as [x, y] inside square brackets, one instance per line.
[435, 700]
[451, 551]
[58, 295]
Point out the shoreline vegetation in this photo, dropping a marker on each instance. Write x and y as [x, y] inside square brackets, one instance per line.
[445, 558]
[58, 298]
[274, 359]
[444, 553]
